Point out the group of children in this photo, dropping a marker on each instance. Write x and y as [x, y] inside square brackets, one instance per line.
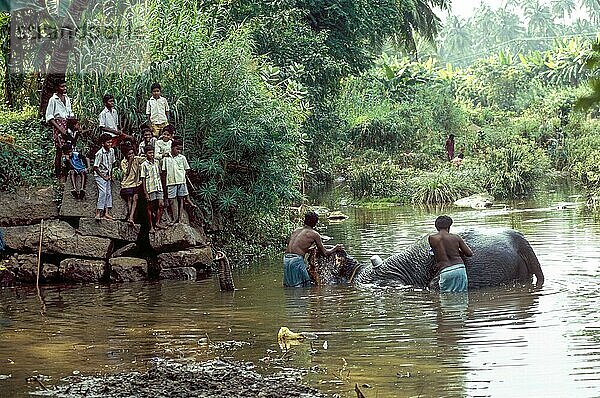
[155, 168]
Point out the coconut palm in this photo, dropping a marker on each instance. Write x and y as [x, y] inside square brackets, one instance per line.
[593, 8]
[418, 16]
[457, 36]
[539, 18]
[563, 8]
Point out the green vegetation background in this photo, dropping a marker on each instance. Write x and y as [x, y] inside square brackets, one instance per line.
[275, 98]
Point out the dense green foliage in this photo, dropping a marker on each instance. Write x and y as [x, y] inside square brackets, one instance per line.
[25, 150]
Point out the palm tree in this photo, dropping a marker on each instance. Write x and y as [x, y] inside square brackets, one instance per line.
[418, 16]
[593, 8]
[563, 8]
[540, 19]
[457, 37]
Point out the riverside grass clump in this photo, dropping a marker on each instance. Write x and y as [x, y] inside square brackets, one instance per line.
[26, 150]
[443, 186]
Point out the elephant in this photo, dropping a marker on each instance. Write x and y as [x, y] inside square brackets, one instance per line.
[501, 257]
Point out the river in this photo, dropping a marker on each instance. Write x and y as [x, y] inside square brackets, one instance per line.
[503, 342]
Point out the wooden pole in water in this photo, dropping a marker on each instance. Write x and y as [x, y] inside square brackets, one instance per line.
[39, 263]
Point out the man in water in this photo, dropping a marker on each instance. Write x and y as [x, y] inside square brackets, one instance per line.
[295, 273]
[449, 250]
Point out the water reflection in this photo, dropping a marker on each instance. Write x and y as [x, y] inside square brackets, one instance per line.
[494, 343]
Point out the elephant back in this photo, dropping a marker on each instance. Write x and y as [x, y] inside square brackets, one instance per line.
[500, 256]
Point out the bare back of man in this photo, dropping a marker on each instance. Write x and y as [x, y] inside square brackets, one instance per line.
[302, 239]
[448, 249]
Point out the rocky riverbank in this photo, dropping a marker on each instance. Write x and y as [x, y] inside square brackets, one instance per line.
[217, 378]
[76, 248]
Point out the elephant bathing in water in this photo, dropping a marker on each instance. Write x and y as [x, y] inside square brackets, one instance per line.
[501, 257]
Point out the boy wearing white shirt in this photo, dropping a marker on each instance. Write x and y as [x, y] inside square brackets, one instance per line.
[57, 113]
[103, 166]
[176, 167]
[157, 109]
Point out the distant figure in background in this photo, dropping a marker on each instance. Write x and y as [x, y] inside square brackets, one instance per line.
[295, 273]
[450, 147]
[449, 250]
[457, 161]
[57, 113]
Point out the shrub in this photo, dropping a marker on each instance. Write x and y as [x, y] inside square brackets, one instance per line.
[515, 169]
[27, 160]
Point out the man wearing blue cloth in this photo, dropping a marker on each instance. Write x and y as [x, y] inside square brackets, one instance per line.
[449, 250]
[295, 273]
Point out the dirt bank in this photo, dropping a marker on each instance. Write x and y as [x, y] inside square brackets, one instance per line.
[215, 378]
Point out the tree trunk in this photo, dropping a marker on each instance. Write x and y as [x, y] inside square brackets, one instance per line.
[57, 68]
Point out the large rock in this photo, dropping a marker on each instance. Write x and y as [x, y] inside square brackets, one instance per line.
[128, 269]
[71, 207]
[113, 229]
[179, 273]
[23, 266]
[177, 237]
[194, 257]
[77, 270]
[58, 238]
[28, 206]
[477, 201]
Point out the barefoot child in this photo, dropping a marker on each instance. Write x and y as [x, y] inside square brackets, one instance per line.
[103, 167]
[57, 112]
[176, 167]
[157, 109]
[153, 190]
[130, 185]
[79, 166]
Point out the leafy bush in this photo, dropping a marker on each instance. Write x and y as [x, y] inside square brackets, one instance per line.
[27, 161]
[584, 161]
[515, 169]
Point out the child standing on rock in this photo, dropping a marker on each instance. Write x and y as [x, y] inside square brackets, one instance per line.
[153, 189]
[157, 109]
[175, 167]
[130, 185]
[78, 167]
[103, 167]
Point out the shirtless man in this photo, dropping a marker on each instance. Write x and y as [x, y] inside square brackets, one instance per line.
[449, 250]
[295, 273]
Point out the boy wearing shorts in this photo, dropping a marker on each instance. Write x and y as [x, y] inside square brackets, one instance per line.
[152, 188]
[175, 167]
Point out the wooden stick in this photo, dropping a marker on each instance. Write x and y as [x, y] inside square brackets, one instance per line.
[39, 264]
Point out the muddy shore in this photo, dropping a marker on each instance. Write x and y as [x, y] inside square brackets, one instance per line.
[166, 378]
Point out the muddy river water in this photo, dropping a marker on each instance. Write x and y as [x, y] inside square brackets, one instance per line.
[505, 342]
